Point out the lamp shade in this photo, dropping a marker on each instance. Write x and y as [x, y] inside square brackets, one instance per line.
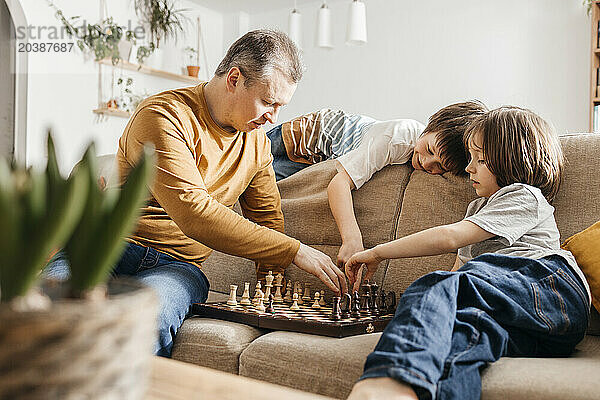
[295, 26]
[324, 36]
[357, 24]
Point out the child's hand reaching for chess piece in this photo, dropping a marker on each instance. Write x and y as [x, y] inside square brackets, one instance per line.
[366, 259]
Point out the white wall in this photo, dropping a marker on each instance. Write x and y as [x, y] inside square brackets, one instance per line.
[7, 83]
[422, 55]
[63, 87]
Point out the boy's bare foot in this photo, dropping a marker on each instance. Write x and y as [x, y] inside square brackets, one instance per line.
[381, 388]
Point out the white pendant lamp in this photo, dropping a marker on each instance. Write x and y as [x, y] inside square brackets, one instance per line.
[357, 24]
[295, 27]
[324, 36]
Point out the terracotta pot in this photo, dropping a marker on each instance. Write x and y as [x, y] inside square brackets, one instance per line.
[193, 70]
[80, 349]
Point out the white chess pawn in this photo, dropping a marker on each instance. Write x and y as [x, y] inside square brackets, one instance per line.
[232, 295]
[322, 301]
[246, 295]
[257, 293]
[316, 303]
[294, 305]
[288, 292]
[260, 306]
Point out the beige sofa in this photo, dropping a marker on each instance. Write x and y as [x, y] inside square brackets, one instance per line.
[396, 202]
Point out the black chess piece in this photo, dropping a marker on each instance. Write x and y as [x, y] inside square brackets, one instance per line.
[270, 308]
[382, 306]
[355, 313]
[335, 310]
[365, 299]
[374, 296]
[346, 305]
[391, 302]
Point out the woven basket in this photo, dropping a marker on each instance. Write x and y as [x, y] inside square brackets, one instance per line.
[80, 349]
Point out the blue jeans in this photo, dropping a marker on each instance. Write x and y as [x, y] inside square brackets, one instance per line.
[178, 285]
[282, 164]
[448, 325]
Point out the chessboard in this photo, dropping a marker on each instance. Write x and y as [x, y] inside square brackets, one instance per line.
[367, 312]
[304, 320]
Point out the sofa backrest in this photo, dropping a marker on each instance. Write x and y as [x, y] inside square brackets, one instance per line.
[434, 200]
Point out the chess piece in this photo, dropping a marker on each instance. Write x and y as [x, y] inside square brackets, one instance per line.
[232, 295]
[278, 285]
[257, 294]
[260, 306]
[365, 299]
[346, 305]
[374, 296]
[300, 301]
[306, 296]
[288, 293]
[294, 305]
[246, 295]
[316, 303]
[269, 284]
[335, 310]
[322, 301]
[271, 308]
[355, 312]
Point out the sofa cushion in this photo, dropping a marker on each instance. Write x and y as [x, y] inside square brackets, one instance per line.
[429, 200]
[309, 219]
[213, 343]
[575, 377]
[576, 203]
[585, 246]
[319, 364]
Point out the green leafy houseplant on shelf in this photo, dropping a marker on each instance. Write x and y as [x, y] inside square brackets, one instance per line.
[56, 339]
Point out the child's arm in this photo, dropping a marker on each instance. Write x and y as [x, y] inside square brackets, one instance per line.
[433, 241]
[342, 208]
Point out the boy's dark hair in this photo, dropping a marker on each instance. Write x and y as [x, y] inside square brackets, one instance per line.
[449, 125]
[260, 52]
[520, 146]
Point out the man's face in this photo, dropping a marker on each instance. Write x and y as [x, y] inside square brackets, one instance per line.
[260, 102]
[426, 155]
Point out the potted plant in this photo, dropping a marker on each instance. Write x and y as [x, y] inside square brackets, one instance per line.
[192, 66]
[83, 338]
[161, 18]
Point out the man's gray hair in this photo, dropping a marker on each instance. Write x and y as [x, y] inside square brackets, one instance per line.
[258, 53]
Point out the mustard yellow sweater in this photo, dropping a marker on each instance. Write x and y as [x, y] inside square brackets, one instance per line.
[202, 170]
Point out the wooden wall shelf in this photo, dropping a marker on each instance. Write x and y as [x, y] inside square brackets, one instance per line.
[112, 112]
[150, 71]
[595, 68]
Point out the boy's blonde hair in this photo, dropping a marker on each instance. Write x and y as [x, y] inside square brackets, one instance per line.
[519, 146]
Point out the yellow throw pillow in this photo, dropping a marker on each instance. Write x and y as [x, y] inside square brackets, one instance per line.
[585, 246]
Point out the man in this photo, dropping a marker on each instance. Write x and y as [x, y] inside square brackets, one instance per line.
[211, 152]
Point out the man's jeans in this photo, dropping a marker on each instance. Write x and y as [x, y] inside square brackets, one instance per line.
[178, 285]
[282, 164]
[448, 325]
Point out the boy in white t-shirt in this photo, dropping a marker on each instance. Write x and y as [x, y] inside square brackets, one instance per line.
[362, 146]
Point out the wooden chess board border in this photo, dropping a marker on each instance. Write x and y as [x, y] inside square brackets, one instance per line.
[339, 329]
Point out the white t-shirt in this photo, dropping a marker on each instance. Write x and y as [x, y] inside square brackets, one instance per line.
[384, 143]
[523, 224]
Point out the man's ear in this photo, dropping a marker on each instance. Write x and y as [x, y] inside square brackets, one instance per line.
[234, 79]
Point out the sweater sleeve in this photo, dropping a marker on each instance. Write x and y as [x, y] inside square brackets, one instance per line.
[261, 203]
[179, 188]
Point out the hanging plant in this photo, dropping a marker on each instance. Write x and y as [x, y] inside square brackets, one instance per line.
[101, 39]
[161, 17]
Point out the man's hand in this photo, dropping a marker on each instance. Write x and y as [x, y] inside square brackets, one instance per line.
[367, 258]
[320, 265]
